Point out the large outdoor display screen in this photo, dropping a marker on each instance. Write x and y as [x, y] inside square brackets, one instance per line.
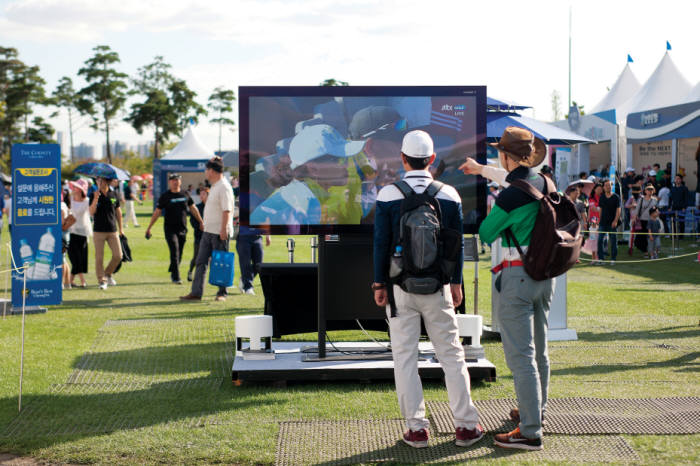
[312, 159]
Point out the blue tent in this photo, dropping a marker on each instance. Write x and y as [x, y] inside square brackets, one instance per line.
[499, 105]
[496, 122]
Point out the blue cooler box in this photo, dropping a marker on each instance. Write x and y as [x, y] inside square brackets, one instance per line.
[221, 271]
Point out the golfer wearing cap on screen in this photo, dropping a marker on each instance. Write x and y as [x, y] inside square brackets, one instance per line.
[436, 309]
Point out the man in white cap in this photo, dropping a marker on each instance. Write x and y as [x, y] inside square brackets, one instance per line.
[434, 304]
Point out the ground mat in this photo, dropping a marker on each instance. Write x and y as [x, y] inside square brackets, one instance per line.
[652, 416]
[367, 441]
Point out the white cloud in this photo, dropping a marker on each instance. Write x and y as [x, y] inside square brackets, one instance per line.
[519, 49]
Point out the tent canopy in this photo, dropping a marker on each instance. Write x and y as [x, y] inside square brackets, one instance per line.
[665, 87]
[496, 122]
[624, 88]
[189, 148]
[693, 95]
[499, 105]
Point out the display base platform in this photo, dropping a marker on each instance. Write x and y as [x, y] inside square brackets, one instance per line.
[561, 334]
[553, 334]
[17, 311]
[298, 361]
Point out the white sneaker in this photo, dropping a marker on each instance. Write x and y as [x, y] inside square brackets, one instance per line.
[103, 286]
[240, 286]
[249, 291]
[111, 281]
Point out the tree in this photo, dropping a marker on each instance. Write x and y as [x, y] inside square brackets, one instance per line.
[41, 131]
[221, 102]
[168, 102]
[556, 106]
[9, 66]
[186, 107]
[21, 87]
[155, 112]
[65, 96]
[333, 82]
[26, 89]
[105, 94]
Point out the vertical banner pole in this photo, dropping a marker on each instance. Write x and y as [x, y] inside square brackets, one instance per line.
[4, 305]
[21, 357]
[476, 276]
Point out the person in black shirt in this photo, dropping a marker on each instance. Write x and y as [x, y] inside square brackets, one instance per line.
[107, 214]
[203, 193]
[174, 205]
[609, 204]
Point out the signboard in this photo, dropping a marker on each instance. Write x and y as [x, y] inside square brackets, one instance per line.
[646, 154]
[36, 223]
[561, 171]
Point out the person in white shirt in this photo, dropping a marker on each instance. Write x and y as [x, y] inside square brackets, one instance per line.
[80, 232]
[218, 227]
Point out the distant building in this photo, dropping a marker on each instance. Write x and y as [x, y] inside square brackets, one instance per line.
[117, 148]
[61, 141]
[84, 151]
[144, 150]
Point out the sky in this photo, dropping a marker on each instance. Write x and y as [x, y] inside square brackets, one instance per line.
[518, 49]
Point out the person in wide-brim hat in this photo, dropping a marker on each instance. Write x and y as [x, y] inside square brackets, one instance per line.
[522, 146]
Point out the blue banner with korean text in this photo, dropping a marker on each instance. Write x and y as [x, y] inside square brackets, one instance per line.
[36, 223]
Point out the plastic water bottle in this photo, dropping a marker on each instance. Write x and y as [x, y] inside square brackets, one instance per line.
[26, 255]
[44, 256]
[396, 263]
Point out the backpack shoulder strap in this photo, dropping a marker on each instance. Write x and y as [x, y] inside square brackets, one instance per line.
[529, 189]
[404, 187]
[434, 188]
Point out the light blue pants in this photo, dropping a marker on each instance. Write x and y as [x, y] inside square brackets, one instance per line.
[522, 314]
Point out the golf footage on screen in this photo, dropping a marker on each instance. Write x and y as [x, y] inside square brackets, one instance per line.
[318, 161]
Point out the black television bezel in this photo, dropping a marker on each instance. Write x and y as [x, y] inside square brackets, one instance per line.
[246, 92]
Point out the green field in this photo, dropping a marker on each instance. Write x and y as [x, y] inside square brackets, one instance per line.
[132, 375]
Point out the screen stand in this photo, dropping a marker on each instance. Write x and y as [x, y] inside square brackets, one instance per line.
[321, 297]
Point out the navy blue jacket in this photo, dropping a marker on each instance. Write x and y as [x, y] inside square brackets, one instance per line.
[388, 214]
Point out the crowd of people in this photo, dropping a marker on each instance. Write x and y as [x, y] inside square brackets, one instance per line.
[97, 211]
[647, 205]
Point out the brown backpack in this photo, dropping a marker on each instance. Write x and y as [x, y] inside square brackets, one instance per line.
[556, 240]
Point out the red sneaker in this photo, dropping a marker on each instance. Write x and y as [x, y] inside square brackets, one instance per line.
[514, 439]
[465, 437]
[416, 438]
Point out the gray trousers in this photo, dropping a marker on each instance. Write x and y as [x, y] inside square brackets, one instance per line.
[209, 242]
[522, 314]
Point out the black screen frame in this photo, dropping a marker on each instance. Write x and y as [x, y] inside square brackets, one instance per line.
[246, 92]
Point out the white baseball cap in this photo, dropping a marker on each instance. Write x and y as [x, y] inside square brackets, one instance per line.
[417, 144]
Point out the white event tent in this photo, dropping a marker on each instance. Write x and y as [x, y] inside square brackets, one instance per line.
[188, 159]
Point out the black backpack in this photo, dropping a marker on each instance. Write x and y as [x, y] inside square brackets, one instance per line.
[424, 252]
[556, 239]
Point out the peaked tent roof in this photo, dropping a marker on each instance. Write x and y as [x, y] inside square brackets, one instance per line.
[496, 122]
[693, 95]
[624, 88]
[665, 87]
[189, 148]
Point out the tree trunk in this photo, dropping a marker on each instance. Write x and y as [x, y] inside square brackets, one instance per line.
[220, 134]
[70, 134]
[109, 149]
[156, 150]
[26, 123]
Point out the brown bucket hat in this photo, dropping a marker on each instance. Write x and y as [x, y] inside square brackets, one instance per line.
[522, 146]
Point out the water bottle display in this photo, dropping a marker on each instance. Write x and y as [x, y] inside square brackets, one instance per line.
[44, 256]
[26, 255]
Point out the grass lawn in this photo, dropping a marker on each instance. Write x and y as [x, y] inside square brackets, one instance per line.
[132, 375]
